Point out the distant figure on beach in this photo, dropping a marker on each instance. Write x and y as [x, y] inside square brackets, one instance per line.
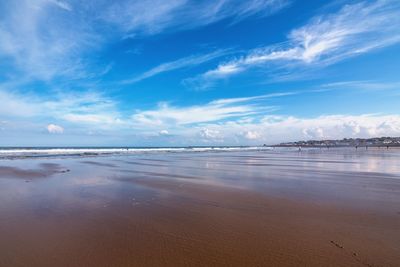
[299, 148]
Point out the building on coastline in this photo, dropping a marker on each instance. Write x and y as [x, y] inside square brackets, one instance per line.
[347, 142]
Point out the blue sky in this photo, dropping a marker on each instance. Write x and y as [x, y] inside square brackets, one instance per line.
[181, 72]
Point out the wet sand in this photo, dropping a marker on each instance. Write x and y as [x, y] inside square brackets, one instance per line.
[313, 208]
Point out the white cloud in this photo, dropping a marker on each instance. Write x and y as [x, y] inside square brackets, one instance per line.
[251, 135]
[273, 129]
[314, 133]
[207, 133]
[163, 133]
[240, 121]
[354, 30]
[185, 62]
[54, 129]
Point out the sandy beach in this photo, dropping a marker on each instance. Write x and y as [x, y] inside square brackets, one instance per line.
[338, 207]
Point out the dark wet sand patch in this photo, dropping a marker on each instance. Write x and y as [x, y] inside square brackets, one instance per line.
[165, 175]
[45, 170]
[144, 164]
[100, 164]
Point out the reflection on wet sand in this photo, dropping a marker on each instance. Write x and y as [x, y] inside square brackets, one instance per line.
[314, 208]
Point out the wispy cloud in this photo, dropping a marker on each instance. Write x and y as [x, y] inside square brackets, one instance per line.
[355, 29]
[46, 39]
[89, 109]
[61, 4]
[186, 62]
[362, 84]
[170, 115]
[103, 119]
[227, 101]
[17, 105]
[214, 111]
[42, 40]
[86, 109]
[141, 17]
[94, 111]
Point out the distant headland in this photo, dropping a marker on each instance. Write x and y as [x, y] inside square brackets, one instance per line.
[346, 142]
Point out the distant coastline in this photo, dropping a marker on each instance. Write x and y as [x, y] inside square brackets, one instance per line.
[346, 142]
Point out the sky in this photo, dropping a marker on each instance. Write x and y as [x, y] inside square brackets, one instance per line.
[185, 73]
